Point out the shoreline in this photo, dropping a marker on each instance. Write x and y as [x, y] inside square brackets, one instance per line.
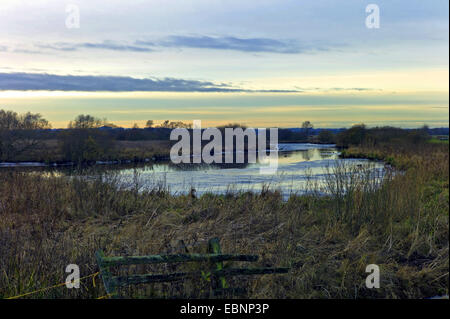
[135, 160]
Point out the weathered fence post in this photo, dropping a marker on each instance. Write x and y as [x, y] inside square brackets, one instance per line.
[214, 248]
[110, 288]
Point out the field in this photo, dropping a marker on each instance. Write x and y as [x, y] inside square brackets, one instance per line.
[49, 221]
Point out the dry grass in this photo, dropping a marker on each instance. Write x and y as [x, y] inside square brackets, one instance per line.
[50, 151]
[48, 222]
[142, 149]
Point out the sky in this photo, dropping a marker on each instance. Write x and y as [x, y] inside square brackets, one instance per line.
[261, 63]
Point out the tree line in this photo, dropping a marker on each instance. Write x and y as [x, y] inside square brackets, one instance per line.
[88, 138]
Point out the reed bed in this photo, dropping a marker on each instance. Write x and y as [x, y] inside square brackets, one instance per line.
[398, 221]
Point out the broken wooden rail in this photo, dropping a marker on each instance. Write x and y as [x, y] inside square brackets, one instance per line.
[215, 257]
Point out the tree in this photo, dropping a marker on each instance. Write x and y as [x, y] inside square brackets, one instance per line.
[355, 135]
[86, 122]
[306, 127]
[83, 142]
[165, 124]
[326, 136]
[173, 125]
[86, 145]
[425, 129]
[149, 124]
[10, 120]
[135, 126]
[19, 133]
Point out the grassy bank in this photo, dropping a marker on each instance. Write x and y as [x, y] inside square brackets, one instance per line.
[50, 151]
[48, 222]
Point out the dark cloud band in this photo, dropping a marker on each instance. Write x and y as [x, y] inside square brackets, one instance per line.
[231, 43]
[91, 83]
[43, 81]
[255, 45]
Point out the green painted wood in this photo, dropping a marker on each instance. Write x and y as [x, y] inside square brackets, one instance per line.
[121, 281]
[105, 274]
[214, 248]
[153, 259]
[215, 257]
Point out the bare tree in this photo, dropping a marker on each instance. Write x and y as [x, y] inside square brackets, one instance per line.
[83, 142]
[18, 133]
[175, 124]
[306, 127]
[149, 124]
[86, 121]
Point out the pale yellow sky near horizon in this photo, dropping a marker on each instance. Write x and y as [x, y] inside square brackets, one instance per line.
[323, 108]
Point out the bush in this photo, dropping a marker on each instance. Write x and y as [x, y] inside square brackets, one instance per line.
[85, 145]
[326, 136]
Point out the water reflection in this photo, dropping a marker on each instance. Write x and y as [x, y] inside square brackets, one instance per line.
[301, 168]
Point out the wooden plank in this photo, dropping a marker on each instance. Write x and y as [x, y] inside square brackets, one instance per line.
[214, 248]
[105, 274]
[155, 259]
[150, 278]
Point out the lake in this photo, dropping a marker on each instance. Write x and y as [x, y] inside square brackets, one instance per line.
[301, 168]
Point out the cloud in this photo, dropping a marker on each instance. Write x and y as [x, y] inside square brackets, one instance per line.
[253, 45]
[91, 83]
[352, 89]
[115, 47]
[105, 45]
[27, 51]
[232, 43]
[43, 81]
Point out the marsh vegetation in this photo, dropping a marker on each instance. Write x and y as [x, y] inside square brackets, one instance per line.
[327, 235]
[49, 221]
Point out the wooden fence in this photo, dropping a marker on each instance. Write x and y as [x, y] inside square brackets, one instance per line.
[217, 271]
